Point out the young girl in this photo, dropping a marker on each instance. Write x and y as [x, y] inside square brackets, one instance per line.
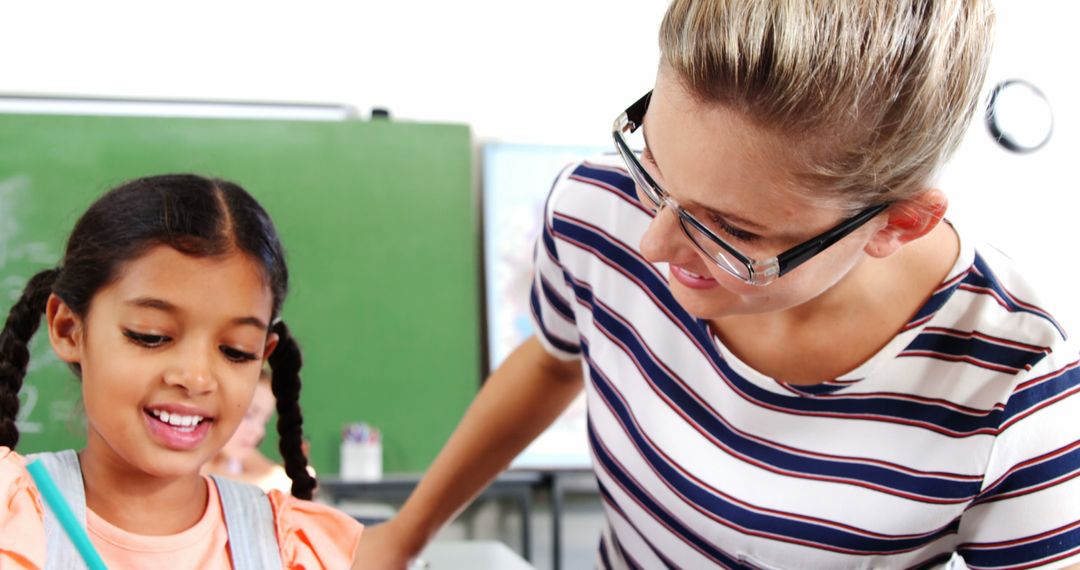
[166, 307]
[789, 360]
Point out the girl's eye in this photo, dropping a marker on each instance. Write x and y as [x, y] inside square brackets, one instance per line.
[237, 355]
[146, 340]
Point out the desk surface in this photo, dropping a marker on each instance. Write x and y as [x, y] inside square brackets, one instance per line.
[398, 483]
[469, 555]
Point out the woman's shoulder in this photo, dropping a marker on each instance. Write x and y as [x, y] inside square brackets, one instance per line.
[596, 178]
[313, 535]
[22, 532]
[1002, 297]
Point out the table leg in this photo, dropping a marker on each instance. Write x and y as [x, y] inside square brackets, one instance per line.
[556, 494]
[526, 524]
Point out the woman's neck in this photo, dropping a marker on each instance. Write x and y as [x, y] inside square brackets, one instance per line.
[836, 332]
[136, 501]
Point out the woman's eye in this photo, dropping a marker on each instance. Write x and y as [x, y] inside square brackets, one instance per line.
[647, 157]
[237, 355]
[146, 340]
[741, 235]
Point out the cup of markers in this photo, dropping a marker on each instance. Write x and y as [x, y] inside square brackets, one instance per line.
[361, 452]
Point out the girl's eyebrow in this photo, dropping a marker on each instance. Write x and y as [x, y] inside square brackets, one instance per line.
[163, 305]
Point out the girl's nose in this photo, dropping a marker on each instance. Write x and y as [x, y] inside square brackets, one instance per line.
[194, 374]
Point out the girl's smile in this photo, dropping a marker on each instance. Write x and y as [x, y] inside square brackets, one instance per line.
[178, 426]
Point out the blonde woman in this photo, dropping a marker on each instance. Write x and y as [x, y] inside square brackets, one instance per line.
[791, 359]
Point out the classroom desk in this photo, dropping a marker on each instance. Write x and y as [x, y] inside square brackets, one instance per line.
[559, 482]
[516, 485]
[469, 555]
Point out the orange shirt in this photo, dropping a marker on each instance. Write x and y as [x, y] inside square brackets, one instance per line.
[310, 535]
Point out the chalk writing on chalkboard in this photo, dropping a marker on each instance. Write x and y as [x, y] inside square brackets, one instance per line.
[17, 259]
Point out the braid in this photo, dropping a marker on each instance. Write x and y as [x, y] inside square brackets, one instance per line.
[22, 323]
[285, 364]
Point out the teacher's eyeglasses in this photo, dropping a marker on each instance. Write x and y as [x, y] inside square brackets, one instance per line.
[723, 254]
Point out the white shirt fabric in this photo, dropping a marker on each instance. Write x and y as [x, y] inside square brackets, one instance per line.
[959, 439]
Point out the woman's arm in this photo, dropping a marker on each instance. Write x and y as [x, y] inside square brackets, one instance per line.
[519, 400]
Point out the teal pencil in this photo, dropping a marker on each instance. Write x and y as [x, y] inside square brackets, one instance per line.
[63, 513]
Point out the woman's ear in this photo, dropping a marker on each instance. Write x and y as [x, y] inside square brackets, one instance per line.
[65, 330]
[908, 221]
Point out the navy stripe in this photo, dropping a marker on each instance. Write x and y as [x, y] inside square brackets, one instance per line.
[623, 258]
[915, 487]
[779, 526]
[555, 300]
[605, 563]
[896, 408]
[652, 507]
[1034, 395]
[823, 388]
[935, 303]
[549, 242]
[1011, 357]
[985, 278]
[1036, 476]
[1019, 554]
[619, 180]
[561, 344]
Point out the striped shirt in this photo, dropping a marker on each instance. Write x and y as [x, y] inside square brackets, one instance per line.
[959, 439]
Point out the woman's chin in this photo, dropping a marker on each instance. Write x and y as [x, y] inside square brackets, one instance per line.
[710, 304]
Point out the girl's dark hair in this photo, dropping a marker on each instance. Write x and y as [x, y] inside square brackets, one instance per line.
[196, 216]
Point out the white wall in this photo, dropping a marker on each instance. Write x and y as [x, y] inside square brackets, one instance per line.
[556, 71]
[1029, 205]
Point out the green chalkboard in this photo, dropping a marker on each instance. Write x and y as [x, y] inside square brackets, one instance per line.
[380, 223]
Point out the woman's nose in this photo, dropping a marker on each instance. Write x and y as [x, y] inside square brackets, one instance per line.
[664, 238]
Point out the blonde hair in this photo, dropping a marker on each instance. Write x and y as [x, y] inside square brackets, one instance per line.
[874, 94]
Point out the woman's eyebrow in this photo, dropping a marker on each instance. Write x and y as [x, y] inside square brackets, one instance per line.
[725, 215]
[648, 147]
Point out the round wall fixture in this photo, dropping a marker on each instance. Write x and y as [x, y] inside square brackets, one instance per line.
[1019, 116]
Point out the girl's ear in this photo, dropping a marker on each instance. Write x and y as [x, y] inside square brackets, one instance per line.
[908, 221]
[65, 330]
[271, 343]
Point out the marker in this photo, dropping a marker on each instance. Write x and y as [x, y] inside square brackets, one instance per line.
[63, 513]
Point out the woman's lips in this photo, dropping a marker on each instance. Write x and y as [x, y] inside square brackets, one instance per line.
[691, 279]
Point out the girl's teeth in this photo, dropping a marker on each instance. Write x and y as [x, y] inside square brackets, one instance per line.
[177, 420]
